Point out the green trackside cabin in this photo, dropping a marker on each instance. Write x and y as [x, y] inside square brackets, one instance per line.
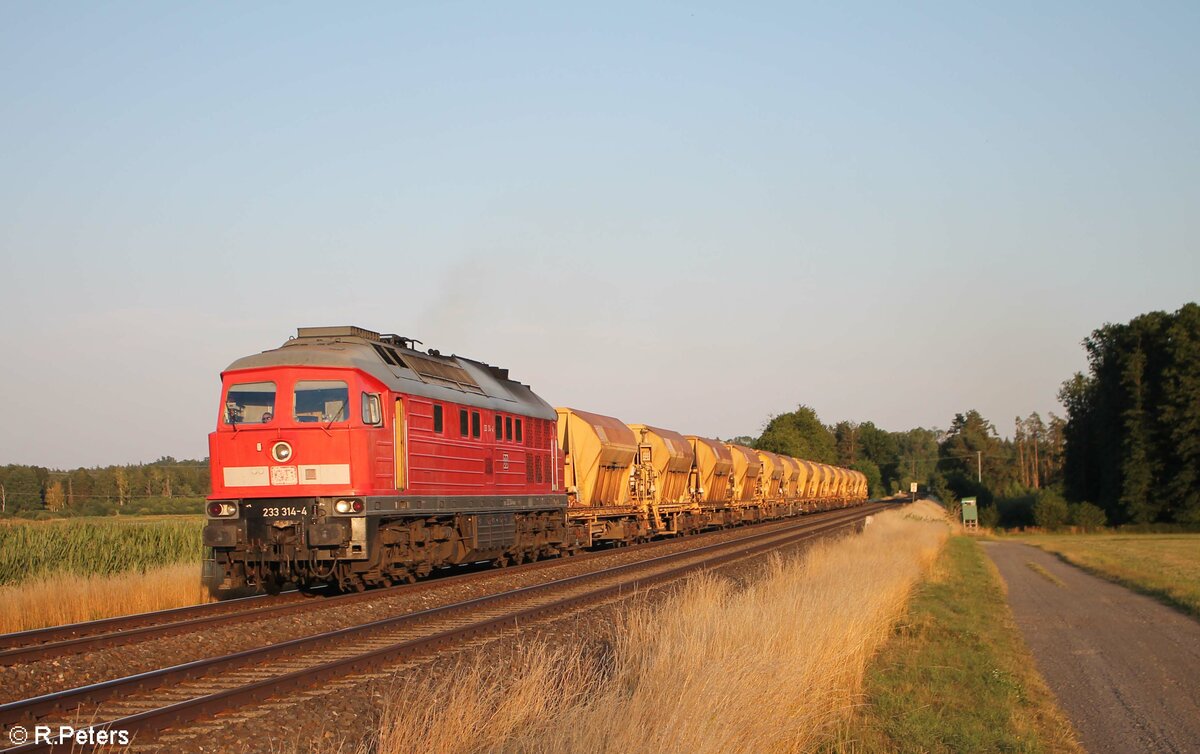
[970, 513]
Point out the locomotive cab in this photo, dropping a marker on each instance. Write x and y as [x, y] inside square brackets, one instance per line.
[291, 460]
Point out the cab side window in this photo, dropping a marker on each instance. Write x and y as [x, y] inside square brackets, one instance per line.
[372, 415]
[437, 418]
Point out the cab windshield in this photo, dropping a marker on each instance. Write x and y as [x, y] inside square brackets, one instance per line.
[324, 401]
[250, 403]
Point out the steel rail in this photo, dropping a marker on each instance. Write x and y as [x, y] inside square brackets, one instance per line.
[31, 710]
[56, 641]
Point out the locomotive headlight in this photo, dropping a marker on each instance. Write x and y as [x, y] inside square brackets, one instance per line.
[219, 509]
[348, 506]
[281, 451]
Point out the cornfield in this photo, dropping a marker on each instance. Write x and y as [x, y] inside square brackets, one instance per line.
[91, 547]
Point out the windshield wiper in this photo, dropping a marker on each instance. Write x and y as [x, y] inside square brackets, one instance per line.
[336, 417]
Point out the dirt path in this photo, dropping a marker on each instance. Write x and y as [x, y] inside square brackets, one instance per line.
[1125, 669]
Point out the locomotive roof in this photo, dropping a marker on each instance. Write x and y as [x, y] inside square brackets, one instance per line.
[393, 361]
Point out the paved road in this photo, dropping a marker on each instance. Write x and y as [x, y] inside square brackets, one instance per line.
[1125, 669]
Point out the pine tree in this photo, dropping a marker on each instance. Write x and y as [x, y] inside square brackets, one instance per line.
[1181, 412]
[1135, 466]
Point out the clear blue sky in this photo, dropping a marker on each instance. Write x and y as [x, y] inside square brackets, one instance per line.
[691, 215]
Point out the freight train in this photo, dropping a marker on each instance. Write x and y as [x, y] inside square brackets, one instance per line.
[351, 458]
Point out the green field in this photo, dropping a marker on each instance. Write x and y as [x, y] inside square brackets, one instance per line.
[956, 675]
[1166, 566]
[96, 545]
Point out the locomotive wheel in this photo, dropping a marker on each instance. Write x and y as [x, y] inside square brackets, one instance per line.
[272, 586]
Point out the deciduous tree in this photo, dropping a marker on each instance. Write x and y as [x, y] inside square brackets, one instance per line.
[799, 434]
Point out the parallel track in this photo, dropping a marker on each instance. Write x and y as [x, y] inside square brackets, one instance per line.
[149, 702]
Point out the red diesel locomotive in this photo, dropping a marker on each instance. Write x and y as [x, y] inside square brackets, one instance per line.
[350, 457]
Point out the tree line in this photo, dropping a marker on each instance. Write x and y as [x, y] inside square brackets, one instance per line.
[969, 459]
[164, 486]
[1127, 450]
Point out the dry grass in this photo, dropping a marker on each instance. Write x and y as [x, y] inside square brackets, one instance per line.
[59, 598]
[774, 666]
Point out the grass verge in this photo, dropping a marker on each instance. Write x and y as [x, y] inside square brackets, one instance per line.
[956, 676]
[1164, 566]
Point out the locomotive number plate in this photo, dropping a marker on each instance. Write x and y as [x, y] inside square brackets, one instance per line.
[285, 511]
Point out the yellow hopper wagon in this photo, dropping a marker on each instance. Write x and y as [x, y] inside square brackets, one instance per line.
[791, 482]
[598, 458]
[660, 481]
[712, 478]
[746, 468]
[770, 483]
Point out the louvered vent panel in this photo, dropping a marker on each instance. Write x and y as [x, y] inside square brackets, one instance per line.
[436, 372]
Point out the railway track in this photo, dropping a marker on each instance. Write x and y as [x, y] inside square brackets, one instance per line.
[150, 702]
[57, 641]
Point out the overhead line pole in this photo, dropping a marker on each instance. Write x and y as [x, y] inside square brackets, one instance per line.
[978, 463]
